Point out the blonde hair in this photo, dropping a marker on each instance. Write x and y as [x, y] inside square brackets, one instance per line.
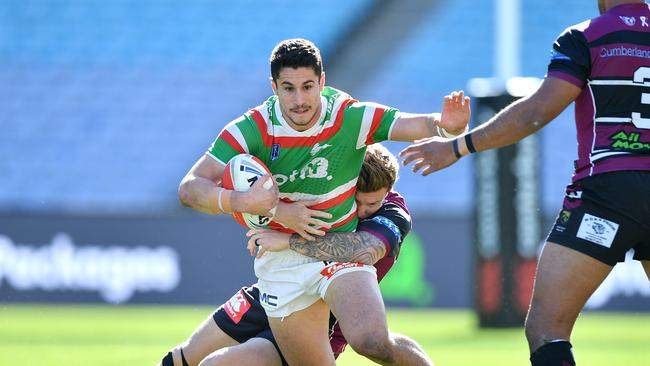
[379, 170]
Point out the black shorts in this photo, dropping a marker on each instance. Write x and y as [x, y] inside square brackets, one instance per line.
[243, 317]
[606, 215]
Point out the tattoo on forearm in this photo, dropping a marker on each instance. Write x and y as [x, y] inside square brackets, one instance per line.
[360, 247]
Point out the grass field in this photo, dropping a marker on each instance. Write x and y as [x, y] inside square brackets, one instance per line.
[139, 335]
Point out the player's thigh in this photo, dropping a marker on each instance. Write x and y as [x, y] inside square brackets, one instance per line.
[253, 352]
[303, 336]
[205, 339]
[354, 298]
[564, 281]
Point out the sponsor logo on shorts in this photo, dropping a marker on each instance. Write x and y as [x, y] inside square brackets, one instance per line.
[331, 270]
[268, 299]
[597, 230]
[237, 306]
[565, 215]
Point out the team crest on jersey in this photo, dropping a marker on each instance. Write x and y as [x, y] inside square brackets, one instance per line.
[237, 306]
[275, 152]
[629, 21]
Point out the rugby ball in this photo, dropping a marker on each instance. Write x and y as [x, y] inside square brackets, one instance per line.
[241, 172]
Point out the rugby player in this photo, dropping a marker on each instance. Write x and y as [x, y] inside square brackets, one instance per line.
[603, 64]
[239, 333]
[313, 140]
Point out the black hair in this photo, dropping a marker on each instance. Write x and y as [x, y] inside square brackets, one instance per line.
[295, 53]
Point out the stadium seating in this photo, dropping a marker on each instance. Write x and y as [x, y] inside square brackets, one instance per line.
[105, 105]
[455, 44]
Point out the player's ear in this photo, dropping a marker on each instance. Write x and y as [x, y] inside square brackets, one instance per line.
[274, 86]
[322, 80]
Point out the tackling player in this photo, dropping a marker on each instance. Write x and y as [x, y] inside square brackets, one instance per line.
[313, 140]
[603, 64]
[239, 333]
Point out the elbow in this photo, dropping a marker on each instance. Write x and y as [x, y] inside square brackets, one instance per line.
[184, 196]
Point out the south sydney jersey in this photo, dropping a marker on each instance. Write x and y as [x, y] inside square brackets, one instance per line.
[321, 163]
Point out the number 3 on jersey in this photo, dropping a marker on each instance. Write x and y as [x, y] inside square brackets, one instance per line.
[640, 76]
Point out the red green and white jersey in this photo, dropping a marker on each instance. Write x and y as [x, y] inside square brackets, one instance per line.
[321, 163]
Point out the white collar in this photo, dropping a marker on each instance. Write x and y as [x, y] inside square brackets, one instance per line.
[313, 129]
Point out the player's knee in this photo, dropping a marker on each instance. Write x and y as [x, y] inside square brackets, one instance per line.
[544, 325]
[530, 326]
[536, 325]
[375, 345]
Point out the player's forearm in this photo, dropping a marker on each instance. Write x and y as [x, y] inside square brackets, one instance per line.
[517, 121]
[359, 247]
[202, 195]
[410, 127]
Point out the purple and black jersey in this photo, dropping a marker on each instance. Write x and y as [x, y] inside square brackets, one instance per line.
[391, 223]
[609, 58]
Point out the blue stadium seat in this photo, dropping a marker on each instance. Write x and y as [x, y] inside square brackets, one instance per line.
[105, 105]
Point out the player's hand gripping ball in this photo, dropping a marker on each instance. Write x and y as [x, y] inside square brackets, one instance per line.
[241, 172]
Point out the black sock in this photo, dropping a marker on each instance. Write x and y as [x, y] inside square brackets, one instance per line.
[168, 360]
[556, 353]
[183, 358]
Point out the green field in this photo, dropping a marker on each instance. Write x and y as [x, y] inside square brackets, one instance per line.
[138, 335]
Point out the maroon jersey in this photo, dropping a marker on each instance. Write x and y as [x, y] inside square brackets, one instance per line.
[391, 223]
[609, 58]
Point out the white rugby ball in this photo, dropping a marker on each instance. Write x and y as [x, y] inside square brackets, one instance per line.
[241, 172]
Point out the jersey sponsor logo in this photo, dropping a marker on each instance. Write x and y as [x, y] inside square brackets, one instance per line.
[317, 148]
[629, 21]
[597, 230]
[335, 267]
[644, 22]
[268, 299]
[556, 55]
[389, 224]
[629, 141]
[622, 51]
[315, 169]
[237, 306]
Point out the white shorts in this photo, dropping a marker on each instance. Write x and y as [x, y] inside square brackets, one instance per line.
[291, 282]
